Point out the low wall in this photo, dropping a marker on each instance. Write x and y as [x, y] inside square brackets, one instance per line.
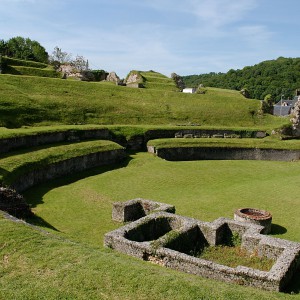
[26, 141]
[67, 167]
[137, 142]
[222, 153]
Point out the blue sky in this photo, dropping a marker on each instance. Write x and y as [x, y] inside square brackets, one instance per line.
[182, 36]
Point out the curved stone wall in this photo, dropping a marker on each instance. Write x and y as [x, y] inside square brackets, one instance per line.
[222, 153]
[137, 142]
[26, 141]
[67, 167]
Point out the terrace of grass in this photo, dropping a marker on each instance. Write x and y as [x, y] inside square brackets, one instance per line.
[29, 100]
[17, 163]
[265, 143]
[72, 263]
[79, 208]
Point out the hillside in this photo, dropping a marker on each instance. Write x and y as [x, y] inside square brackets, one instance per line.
[28, 100]
[275, 77]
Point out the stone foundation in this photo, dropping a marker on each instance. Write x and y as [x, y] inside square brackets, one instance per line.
[170, 240]
[138, 208]
[223, 153]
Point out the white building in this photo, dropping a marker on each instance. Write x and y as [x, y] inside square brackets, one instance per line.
[189, 90]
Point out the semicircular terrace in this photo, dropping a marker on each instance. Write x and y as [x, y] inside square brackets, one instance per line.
[225, 149]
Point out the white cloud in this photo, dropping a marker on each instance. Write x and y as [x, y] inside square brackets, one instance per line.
[255, 36]
[221, 12]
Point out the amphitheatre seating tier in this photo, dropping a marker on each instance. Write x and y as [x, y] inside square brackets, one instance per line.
[224, 149]
[12, 139]
[31, 166]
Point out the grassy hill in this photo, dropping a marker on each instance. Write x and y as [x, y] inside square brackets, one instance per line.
[28, 100]
[275, 77]
[64, 258]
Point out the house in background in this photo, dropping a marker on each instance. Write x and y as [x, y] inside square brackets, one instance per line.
[284, 107]
[189, 90]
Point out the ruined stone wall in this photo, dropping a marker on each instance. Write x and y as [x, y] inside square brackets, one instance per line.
[26, 141]
[67, 167]
[223, 153]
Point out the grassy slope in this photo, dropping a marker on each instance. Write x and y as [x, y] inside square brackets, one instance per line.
[34, 264]
[266, 143]
[19, 162]
[33, 100]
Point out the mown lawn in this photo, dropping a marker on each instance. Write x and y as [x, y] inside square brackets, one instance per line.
[31, 101]
[78, 209]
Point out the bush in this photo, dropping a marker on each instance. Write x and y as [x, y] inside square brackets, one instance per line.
[25, 63]
[21, 70]
[99, 75]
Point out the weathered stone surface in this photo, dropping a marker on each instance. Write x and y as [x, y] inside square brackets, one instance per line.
[296, 119]
[169, 240]
[113, 77]
[223, 153]
[178, 81]
[66, 167]
[9, 144]
[137, 208]
[13, 203]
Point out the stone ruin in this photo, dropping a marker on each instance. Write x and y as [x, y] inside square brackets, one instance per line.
[14, 203]
[171, 241]
[178, 81]
[296, 119]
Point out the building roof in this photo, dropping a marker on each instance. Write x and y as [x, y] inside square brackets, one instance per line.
[284, 107]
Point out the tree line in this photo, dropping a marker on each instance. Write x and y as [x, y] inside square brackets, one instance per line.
[27, 49]
[272, 78]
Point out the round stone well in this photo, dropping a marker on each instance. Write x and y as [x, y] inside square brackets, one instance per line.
[255, 216]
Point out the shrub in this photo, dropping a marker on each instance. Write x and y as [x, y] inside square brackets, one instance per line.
[25, 63]
[21, 70]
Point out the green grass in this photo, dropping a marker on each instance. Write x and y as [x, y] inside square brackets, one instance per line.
[16, 163]
[266, 143]
[236, 256]
[79, 208]
[125, 130]
[28, 100]
[38, 266]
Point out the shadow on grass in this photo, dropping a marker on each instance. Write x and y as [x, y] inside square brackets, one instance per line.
[294, 285]
[278, 229]
[35, 194]
[40, 222]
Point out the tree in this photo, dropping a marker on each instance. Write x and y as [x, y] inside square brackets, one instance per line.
[60, 56]
[21, 48]
[3, 47]
[80, 63]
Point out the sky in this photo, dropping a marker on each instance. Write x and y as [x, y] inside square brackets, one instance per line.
[182, 36]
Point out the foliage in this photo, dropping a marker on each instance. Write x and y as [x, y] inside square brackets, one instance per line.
[99, 75]
[275, 77]
[27, 49]
[59, 56]
[236, 256]
[21, 70]
[25, 63]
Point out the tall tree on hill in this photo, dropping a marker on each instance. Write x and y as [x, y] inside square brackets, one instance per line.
[21, 48]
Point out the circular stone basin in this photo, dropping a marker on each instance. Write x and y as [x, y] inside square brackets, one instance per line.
[254, 216]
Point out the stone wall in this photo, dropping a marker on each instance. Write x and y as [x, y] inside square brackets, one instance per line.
[170, 240]
[223, 153]
[26, 141]
[67, 167]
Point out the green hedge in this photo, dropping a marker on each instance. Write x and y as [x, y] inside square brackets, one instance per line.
[25, 63]
[20, 70]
